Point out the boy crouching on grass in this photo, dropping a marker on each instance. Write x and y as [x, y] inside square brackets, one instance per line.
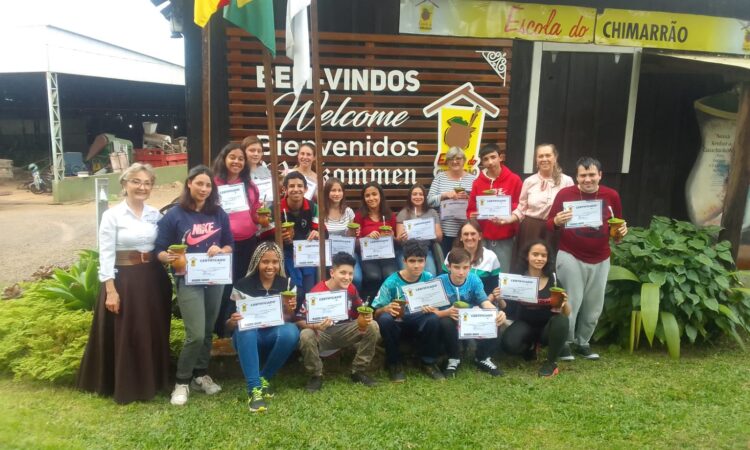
[460, 281]
[327, 335]
[424, 326]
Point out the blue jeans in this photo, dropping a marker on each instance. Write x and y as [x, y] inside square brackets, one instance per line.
[302, 277]
[424, 328]
[276, 343]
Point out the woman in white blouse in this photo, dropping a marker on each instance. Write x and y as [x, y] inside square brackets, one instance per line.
[339, 216]
[127, 355]
[537, 194]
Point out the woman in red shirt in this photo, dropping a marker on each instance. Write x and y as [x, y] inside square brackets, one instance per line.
[373, 214]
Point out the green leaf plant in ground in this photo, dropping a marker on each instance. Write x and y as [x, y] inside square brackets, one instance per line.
[673, 280]
[77, 287]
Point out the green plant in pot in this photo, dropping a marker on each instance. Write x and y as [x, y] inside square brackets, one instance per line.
[673, 280]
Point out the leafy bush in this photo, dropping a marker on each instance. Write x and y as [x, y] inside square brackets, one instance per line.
[77, 287]
[42, 340]
[45, 340]
[695, 279]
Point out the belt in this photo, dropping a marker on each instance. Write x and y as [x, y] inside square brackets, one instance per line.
[131, 258]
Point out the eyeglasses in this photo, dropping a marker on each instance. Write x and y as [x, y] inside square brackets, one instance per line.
[456, 160]
[138, 183]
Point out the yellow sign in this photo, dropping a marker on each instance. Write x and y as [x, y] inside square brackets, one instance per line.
[509, 20]
[460, 126]
[673, 31]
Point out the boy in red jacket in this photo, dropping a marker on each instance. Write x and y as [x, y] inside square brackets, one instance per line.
[497, 233]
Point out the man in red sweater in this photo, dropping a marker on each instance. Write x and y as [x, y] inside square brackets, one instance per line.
[497, 233]
[583, 256]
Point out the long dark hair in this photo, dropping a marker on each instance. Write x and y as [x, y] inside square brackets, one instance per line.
[411, 205]
[385, 211]
[522, 265]
[327, 194]
[480, 248]
[220, 165]
[186, 201]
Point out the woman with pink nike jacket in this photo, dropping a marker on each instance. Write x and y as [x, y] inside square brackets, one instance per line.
[198, 222]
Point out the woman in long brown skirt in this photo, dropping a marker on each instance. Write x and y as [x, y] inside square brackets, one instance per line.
[127, 355]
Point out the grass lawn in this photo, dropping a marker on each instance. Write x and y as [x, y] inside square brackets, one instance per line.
[640, 401]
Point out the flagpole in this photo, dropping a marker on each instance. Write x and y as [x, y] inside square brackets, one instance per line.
[206, 78]
[322, 214]
[271, 116]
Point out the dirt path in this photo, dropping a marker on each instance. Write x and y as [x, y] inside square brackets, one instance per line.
[36, 232]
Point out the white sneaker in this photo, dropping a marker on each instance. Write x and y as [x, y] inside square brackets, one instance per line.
[180, 394]
[205, 384]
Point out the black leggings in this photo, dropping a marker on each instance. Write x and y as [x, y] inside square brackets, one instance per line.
[521, 335]
[374, 272]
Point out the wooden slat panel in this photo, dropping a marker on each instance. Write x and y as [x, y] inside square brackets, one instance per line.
[442, 64]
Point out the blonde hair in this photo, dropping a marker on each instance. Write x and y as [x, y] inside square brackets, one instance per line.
[263, 248]
[556, 170]
[132, 170]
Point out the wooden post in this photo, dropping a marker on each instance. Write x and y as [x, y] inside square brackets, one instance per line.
[271, 116]
[739, 174]
[322, 214]
[206, 71]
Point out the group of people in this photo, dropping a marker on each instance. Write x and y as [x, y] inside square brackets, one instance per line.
[127, 355]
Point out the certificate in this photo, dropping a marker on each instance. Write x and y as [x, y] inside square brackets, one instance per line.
[519, 288]
[586, 213]
[259, 312]
[233, 197]
[428, 293]
[477, 323]
[423, 229]
[381, 248]
[204, 270]
[311, 189]
[454, 209]
[265, 189]
[322, 305]
[489, 206]
[341, 244]
[307, 253]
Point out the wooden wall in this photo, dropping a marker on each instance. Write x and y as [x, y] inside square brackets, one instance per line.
[443, 64]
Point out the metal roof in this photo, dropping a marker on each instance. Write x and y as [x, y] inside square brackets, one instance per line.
[46, 48]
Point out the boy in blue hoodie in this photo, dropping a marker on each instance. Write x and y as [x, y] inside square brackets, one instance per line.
[459, 281]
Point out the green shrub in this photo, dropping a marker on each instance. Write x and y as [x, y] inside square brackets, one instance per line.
[696, 283]
[42, 340]
[77, 287]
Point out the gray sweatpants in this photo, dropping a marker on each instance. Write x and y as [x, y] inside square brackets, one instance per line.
[585, 284]
[503, 248]
[199, 307]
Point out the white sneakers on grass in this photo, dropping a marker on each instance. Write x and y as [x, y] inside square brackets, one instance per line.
[205, 384]
[180, 394]
[182, 391]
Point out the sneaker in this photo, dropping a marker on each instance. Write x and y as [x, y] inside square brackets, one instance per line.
[397, 374]
[256, 403]
[565, 354]
[266, 388]
[361, 377]
[586, 352]
[205, 384]
[548, 369]
[314, 384]
[432, 371]
[486, 365]
[452, 367]
[180, 394]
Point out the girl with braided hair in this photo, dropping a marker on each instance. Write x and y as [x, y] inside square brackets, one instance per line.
[266, 276]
